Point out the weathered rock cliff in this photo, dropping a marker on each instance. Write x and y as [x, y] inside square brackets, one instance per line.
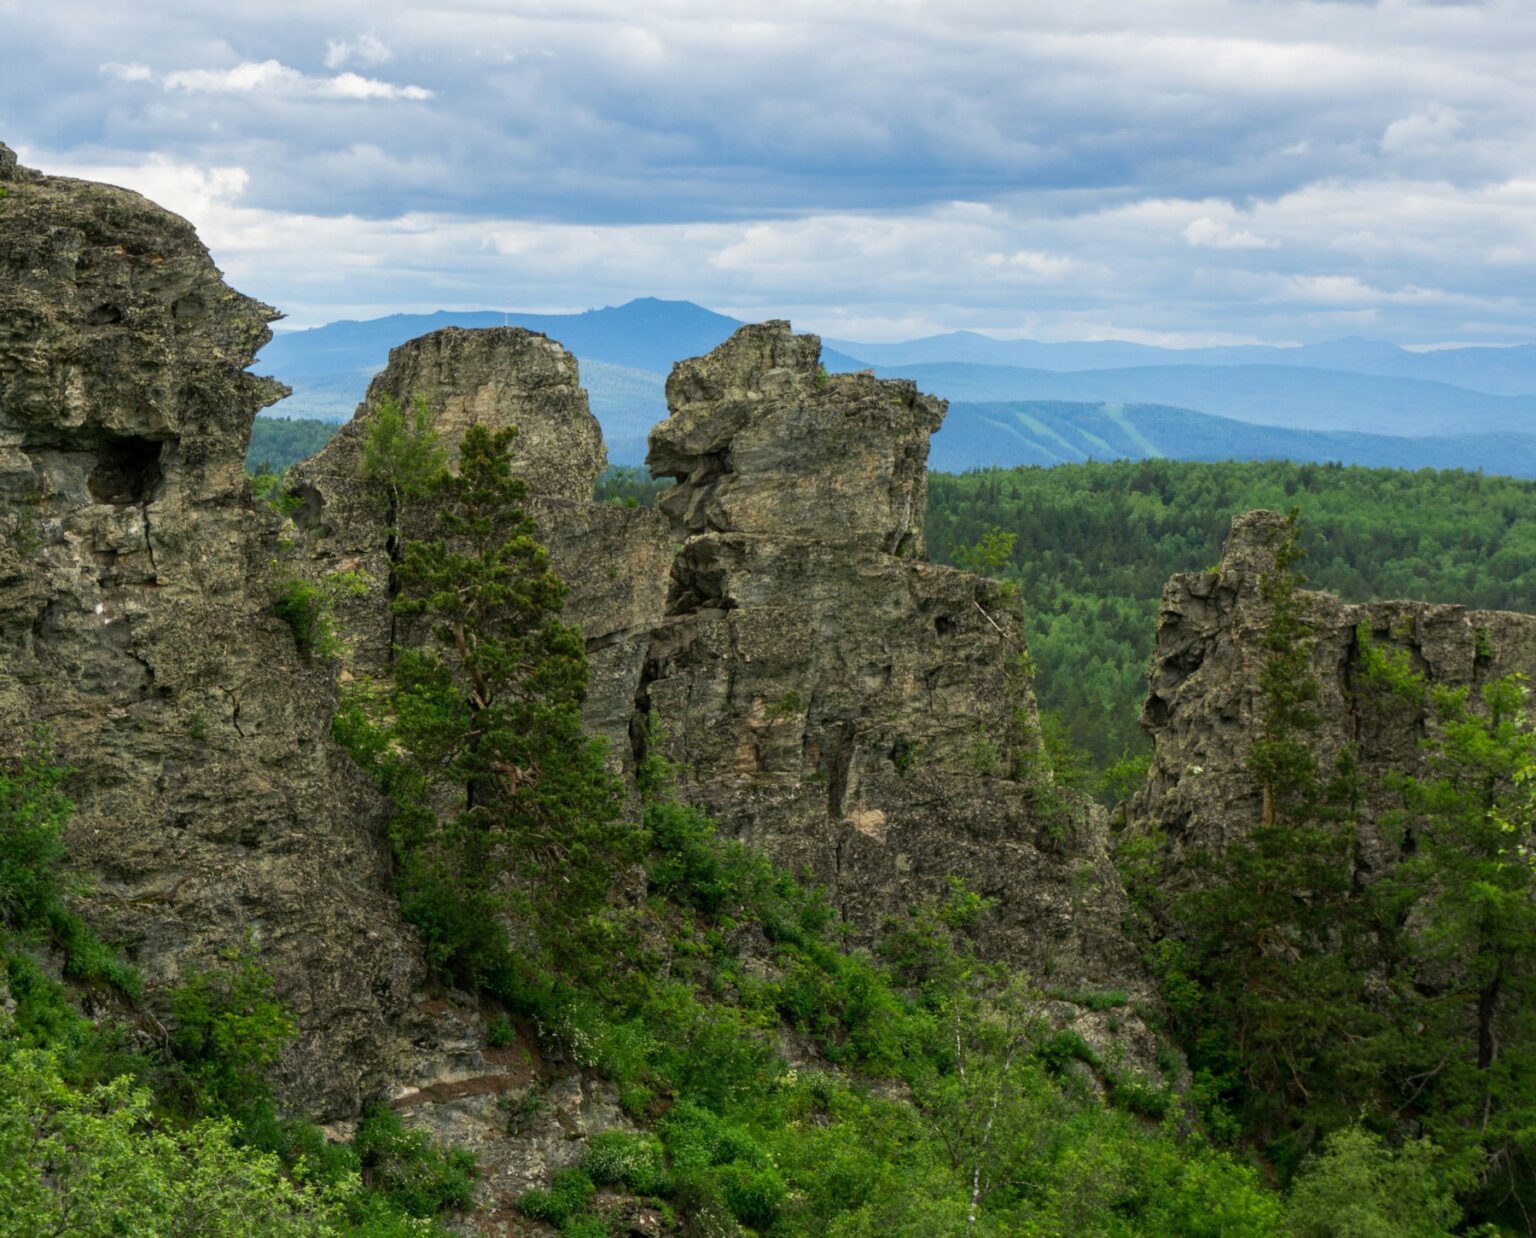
[136, 633]
[1204, 703]
[827, 695]
[861, 714]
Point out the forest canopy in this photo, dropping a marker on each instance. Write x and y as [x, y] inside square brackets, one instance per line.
[1095, 543]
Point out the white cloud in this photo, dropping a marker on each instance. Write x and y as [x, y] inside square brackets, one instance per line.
[1155, 169]
[128, 72]
[1208, 233]
[267, 77]
[1433, 127]
[368, 50]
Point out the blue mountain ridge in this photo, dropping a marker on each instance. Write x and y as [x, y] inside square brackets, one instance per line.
[1361, 401]
[1046, 432]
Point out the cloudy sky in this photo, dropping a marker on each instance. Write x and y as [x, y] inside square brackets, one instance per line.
[1172, 171]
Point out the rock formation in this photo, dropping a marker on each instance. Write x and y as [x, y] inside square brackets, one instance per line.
[829, 696]
[1203, 700]
[616, 559]
[136, 633]
[861, 714]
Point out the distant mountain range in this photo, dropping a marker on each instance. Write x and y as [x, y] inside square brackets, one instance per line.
[1055, 432]
[1024, 401]
[1498, 371]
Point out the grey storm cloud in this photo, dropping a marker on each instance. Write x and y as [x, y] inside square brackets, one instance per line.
[1162, 169]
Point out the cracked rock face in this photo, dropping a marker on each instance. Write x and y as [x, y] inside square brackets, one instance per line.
[859, 713]
[615, 559]
[763, 440]
[136, 635]
[1204, 709]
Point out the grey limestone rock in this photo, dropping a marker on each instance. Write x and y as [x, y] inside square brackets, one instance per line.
[861, 714]
[136, 632]
[1204, 706]
[764, 441]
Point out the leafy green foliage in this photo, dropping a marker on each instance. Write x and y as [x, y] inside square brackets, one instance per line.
[682, 994]
[309, 609]
[271, 487]
[1462, 1043]
[629, 487]
[478, 736]
[1361, 1187]
[569, 1193]
[34, 890]
[634, 1162]
[1260, 972]
[228, 1030]
[991, 554]
[402, 457]
[408, 1169]
[94, 1160]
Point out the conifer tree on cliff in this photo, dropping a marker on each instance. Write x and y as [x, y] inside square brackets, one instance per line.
[503, 804]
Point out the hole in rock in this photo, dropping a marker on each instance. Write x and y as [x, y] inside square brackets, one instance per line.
[127, 471]
[104, 314]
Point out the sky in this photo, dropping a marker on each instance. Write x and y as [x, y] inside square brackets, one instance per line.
[1177, 172]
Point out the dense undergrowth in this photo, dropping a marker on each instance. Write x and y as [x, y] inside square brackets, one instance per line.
[780, 1082]
[1365, 957]
[155, 1117]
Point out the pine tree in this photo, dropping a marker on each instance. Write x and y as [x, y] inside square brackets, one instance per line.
[503, 805]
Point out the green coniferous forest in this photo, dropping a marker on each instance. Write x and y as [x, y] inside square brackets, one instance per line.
[1093, 545]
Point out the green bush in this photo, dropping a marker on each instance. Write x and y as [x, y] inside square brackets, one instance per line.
[409, 1169]
[570, 1192]
[636, 1162]
[304, 607]
[227, 1030]
[96, 1160]
[1359, 1187]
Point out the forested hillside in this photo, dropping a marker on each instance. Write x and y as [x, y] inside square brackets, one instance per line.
[1094, 543]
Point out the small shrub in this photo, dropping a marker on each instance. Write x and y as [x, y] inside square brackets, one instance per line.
[616, 1158]
[1063, 1048]
[982, 756]
[753, 1193]
[569, 1193]
[227, 1031]
[790, 705]
[409, 1169]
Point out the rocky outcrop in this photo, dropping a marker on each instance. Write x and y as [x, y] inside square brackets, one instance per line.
[615, 559]
[772, 628]
[1203, 707]
[828, 696]
[137, 639]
